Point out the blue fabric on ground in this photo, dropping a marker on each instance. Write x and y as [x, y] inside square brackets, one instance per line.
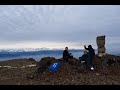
[54, 66]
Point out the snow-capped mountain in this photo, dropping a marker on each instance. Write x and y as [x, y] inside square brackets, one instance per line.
[23, 49]
[11, 50]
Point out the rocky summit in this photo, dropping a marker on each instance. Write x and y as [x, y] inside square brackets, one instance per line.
[26, 72]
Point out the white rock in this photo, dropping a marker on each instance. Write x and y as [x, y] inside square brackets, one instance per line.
[92, 68]
[7, 66]
[97, 74]
[82, 61]
[33, 65]
[13, 67]
[22, 67]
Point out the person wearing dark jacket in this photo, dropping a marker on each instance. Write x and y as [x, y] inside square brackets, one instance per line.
[92, 53]
[66, 54]
[85, 57]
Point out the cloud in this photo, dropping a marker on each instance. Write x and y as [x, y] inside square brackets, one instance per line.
[74, 24]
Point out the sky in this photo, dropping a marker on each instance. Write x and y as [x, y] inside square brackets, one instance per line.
[58, 26]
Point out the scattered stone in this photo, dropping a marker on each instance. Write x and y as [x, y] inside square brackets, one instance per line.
[97, 74]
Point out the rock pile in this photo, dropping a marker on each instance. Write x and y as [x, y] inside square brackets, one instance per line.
[44, 60]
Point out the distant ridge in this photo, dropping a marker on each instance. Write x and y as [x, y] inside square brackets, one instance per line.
[30, 49]
[24, 52]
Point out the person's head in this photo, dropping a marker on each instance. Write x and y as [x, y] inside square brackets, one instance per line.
[89, 46]
[66, 48]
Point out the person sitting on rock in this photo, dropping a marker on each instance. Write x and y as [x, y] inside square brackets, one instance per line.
[85, 57]
[66, 55]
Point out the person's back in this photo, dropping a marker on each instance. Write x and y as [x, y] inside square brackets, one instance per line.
[65, 54]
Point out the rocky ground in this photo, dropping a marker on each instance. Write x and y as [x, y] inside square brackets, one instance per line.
[71, 73]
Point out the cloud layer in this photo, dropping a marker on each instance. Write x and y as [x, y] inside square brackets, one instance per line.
[73, 25]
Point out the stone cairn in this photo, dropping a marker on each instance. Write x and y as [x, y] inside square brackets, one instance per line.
[100, 40]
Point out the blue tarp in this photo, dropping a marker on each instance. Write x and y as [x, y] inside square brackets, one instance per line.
[54, 66]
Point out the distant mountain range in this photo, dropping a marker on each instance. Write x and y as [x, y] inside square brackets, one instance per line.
[22, 49]
[30, 51]
[38, 51]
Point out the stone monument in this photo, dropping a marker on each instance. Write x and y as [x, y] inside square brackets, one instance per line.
[100, 40]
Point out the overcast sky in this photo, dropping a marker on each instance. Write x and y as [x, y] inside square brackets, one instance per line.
[58, 26]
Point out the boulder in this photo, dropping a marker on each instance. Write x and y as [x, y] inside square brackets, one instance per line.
[44, 60]
[31, 59]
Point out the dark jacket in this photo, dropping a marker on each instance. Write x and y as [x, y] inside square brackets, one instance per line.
[92, 54]
[91, 51]
[66, 55]
[86, 58]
